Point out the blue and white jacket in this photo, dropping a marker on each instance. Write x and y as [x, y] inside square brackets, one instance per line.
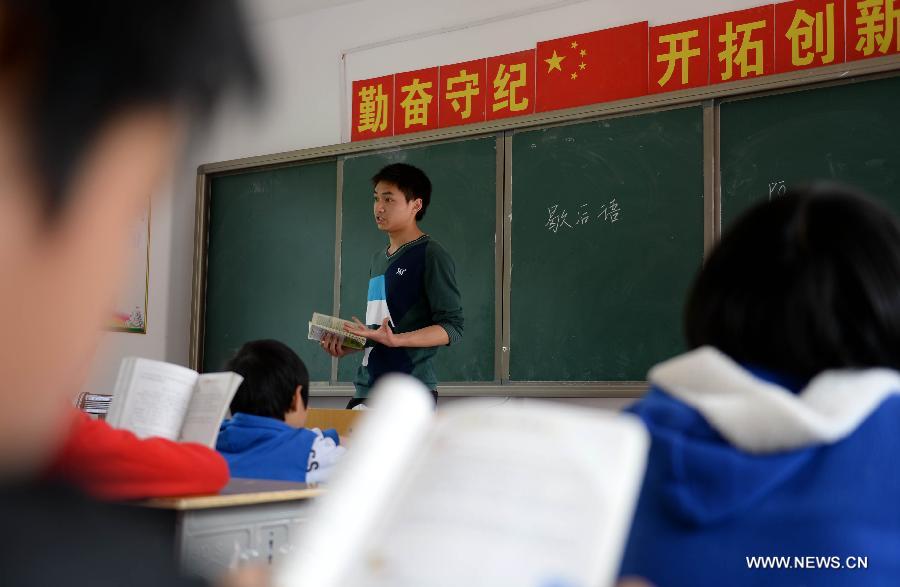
[265, 448]
[744, 465]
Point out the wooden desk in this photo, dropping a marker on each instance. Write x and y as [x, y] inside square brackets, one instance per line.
[250, 519]
[341, 420]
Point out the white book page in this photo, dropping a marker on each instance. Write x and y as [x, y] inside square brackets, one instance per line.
[533, 494]
[209, 402]
[341, 521]
[155, 399]
[120, 391]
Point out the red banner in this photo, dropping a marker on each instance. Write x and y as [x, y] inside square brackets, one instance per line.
[372, 108]
[510, 85]
[873, 28]
[627, 61]
[808, 33]
[742, 44]
[463, 91]
[593, 67]
[416, 105]
[679, 55]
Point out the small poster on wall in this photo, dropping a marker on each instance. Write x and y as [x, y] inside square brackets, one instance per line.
[130, 313]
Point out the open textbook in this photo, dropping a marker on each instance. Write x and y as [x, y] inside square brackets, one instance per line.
[155, 398]
[322, 324]
[524, 494]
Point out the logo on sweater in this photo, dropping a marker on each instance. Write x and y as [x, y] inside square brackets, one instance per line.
[400, 271]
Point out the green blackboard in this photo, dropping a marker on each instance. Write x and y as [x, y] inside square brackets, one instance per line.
[597, 296]
[462, 217]
[270, 260]
[849, 133]
[606, 228]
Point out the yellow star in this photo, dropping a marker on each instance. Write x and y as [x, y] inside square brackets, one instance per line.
[582, 52]
[554, 62]
[574, 44]
[574, 74]
[582, 65]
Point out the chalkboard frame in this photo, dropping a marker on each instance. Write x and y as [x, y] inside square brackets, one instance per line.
[709, 97]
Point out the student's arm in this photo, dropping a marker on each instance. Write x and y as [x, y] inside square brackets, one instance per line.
[117, 465]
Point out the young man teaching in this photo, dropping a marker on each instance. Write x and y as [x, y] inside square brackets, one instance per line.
[413, 305]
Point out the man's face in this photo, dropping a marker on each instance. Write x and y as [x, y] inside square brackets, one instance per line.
[58, 281]
[392, 212]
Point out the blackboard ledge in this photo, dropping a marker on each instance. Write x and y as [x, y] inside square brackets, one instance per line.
[554, 389]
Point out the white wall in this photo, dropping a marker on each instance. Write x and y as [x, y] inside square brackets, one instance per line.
[310, 58]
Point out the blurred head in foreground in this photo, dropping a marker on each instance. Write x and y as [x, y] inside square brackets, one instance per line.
[96, 99]
[805, 283]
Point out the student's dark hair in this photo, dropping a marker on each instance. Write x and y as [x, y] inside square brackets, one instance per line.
[78, 64]
[412, 181]
[271, 372]
[807, 282]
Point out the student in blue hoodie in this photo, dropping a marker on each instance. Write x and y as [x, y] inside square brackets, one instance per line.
[265, 438]
[776, 440]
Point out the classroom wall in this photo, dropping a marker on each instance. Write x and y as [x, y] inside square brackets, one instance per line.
[311, 51]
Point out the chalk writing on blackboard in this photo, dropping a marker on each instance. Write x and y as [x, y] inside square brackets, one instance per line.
[610, 211]
[584, 216]
[777, 188]
[558, 218]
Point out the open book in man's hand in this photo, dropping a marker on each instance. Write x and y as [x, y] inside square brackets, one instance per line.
[155, 398]
[321, 324]
[530, 494]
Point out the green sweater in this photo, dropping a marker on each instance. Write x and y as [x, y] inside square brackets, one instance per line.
[415, 287]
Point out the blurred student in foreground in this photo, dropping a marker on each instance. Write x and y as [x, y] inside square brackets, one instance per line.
[266, 438]
[776, 450]
[95, 101]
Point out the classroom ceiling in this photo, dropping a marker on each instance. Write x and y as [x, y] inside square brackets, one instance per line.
[266, 10]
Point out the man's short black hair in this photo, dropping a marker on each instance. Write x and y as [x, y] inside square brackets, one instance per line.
[271, 372]
[807, 282]
[78, 64]
[412, 181]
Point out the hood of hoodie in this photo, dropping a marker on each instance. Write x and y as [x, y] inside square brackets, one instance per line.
[727, 436]
[245, 432]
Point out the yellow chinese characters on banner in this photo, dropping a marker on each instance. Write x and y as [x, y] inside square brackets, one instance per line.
[463, 92]
[372, 108]
[416, 106]
[510, 83]
[679, 55]
[741, 44]
[808, 33]
[873, 28]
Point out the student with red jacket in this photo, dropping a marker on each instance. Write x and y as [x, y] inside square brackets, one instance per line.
[113, 464]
